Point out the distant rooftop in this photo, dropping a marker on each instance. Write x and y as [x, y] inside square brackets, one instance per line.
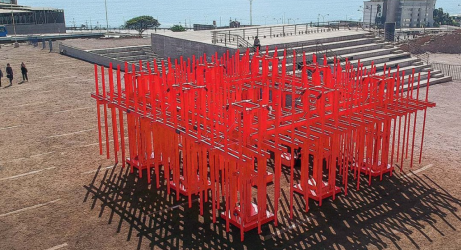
[15, 7]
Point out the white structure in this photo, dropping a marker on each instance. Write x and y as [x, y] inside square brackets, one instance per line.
[372, 10]
[405, 13]
[417, 13]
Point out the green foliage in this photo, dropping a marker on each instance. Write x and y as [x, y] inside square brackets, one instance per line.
[141, 23]
[177, 28]
[441, 18]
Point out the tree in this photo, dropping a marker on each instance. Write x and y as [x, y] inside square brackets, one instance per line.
[142, 23]
[177, 28]
[441, 18]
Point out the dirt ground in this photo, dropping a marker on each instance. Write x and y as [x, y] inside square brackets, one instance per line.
[449, 43]
[56, 192]
[454, 59]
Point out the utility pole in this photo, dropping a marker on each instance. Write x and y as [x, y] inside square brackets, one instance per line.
[107, 20]
[323, 20]
[251, 12]
[363, 15]
[371, 12]
[318, 22]
[14, 25]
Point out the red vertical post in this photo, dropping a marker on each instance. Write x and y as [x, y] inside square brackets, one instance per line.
[414, 124]
[106, 124]
[98, 108]
[114, 116]
[120, 114]
[424, 120]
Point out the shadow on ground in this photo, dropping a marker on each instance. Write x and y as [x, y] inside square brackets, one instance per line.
[389, 210]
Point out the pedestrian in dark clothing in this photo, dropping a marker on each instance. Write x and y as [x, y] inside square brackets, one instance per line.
[1, 75]
[9, 73]
[257, 43]
[24, 72]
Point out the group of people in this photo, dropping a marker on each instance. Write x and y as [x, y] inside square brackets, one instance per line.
[9, 73]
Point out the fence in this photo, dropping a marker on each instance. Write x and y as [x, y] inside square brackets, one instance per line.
[449, 69]
[240, 37]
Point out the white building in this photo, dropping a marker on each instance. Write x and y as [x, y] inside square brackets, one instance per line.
[404, 13]
[372, 10]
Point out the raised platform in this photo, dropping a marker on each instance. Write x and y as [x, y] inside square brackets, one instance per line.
[236, 220]
[183, 190]
[326, 190]
[39, 38]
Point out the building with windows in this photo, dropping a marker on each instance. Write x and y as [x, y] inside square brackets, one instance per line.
[22, 20]
[404, 13]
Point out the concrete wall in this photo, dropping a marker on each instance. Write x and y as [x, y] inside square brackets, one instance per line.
[25, 29]
[174, 48]
[392, 9]
[89, 56]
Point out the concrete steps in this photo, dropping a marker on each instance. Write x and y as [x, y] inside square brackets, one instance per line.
[340, 45]
[131, 55]
[406, 69]
[351, 53]
[404, 62]
[327, 40]
[432, 81]
[380, 59]
[120, 49]
[368, 50]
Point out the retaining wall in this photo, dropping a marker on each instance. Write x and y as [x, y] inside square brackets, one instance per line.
[89, 56]
[165, 46]
[25, 29]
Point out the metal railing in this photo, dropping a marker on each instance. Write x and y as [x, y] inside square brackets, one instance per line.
[231, 39]
[321, 47]
[448, 69]
[229, 36]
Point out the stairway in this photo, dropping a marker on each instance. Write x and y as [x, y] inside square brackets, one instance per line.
[131, 55]
[365, 49]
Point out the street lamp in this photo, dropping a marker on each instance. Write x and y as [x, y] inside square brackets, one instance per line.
[362, 11]
[14, 25]
[323, 20]
[323, 17]
[107, 20]
[251, 12]
[371, 12]
[265, 20]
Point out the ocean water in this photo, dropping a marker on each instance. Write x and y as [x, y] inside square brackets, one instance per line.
[92, 12]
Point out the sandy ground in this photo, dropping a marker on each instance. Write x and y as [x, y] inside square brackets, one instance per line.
[454, 59]
[56, 192]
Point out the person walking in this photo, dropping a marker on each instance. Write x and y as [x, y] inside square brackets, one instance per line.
[24, 72]
[1, 75]
[9, 73]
